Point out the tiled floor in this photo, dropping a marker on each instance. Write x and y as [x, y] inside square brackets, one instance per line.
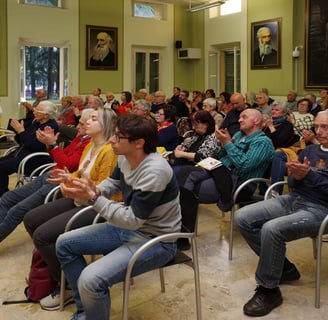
[225, 285]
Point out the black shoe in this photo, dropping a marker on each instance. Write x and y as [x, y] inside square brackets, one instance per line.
[183, 244]
[289, 275]
[263, 302]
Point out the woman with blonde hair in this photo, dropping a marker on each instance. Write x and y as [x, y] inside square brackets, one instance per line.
[45, 223]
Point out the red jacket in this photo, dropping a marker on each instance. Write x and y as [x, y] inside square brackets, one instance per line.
[69, 157]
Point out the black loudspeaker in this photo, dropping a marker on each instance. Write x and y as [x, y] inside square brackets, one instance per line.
[178, 44]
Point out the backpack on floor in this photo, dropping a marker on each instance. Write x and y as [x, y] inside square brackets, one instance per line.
[40, 281]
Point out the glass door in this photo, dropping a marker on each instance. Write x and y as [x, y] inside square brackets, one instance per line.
[146, 70]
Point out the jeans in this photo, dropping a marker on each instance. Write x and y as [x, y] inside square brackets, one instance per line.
[45, 223]
[90, 283]
[16, 203]
[279, 169]
[268, 225]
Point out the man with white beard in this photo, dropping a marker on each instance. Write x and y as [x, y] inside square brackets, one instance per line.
[264, 54]
[102, 54]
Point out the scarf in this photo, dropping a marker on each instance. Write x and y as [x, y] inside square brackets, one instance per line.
[164, 125]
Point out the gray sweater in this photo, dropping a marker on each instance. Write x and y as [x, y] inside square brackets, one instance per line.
[150, 194]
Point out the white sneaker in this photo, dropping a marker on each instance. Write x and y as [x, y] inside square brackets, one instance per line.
[52, 301]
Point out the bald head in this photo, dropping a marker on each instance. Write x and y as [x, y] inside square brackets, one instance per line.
[238, 101]
[250, 121]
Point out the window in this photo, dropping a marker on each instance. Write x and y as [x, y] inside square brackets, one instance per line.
[46, 3]
[231, 6]
[148, 10]
[43, 67]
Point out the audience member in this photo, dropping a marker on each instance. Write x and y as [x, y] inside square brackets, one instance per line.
[250, 98]
[183, 106]
[323, 100]
[175, 97]
[291, 101]
[210, 105]
[262, 101]
[40, 95]
[159, 101]
[126, 105]
[168, 136]
[266, 91]
[142, 108]
[201, 145]
[110, 100]
[315, 109]
[16, 203]
[231, 120]
[278, 128]
[197, 101]
[151, 208]
[66, 114]
[225, 101]
[302, 119]
[210, 93]
[44, 115]
[46, 222]
[96, 92]
[246, 155]
[267, 226]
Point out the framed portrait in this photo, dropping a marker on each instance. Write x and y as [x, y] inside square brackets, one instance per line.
[101, 48]
[316, 44]
[266, 44]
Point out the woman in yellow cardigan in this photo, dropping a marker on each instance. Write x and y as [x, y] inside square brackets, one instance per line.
[46, 222]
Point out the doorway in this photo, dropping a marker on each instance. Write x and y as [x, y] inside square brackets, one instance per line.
[146, 69]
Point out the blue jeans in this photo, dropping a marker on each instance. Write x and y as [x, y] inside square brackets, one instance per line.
[90, 283]
[268, 225]
[16, 203]
[279, 169]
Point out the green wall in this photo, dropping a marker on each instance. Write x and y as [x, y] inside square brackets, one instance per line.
[107, 14]
[279, 81]
[3, 50]
[189, 28]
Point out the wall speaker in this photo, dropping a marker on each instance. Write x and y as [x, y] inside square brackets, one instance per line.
[178, 44]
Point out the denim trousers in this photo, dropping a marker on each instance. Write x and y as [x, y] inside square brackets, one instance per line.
[268, 225]
[90, 283]
[16, 203]
[278, 169]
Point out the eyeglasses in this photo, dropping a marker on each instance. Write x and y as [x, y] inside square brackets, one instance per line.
[118, 137]
[159, 114]
[321, 126]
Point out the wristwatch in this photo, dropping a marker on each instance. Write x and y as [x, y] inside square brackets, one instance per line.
[93, 200]
[53, 146]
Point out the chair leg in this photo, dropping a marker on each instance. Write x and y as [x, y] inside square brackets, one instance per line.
[232, 222]
[62, 291]
[318, 273]
[196, 277]
[162, 280]
[315, 245]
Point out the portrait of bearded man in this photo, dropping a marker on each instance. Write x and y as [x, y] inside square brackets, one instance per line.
[102, 53]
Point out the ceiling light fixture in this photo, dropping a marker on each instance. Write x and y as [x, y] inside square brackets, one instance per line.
[205, 6]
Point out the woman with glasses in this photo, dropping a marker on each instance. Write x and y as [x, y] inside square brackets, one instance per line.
[46, 222]
[44, 115]
[302, 119]
[201, 145]
[168, 136]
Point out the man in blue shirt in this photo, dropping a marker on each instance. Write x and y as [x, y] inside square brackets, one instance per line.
[268, 225]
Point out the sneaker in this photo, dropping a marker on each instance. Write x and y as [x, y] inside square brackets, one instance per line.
[78, 316]
[289, 275]
[263, 302]
[52, 301]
